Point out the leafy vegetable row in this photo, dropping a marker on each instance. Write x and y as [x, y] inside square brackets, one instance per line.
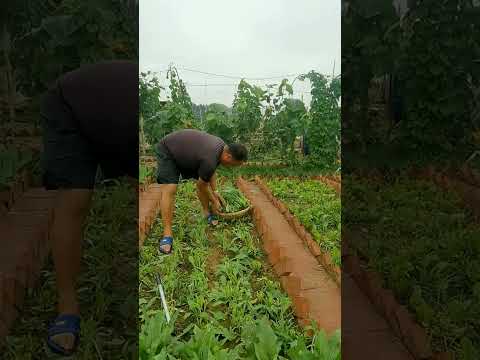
[225, 302]
[234, 199]
[316, 206]
[427, 247]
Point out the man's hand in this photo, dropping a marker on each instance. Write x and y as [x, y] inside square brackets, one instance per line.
[216, 207]
[207, 196]
[216, 203]
[220, 199]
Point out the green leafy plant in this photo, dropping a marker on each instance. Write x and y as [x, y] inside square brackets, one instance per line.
[218, 122]
[11, 161]
[227, 303]
[145, 174]
[261, 341]
[322, 216]
[323, 124]
[247, 110]
[235, 200]
[425, 245]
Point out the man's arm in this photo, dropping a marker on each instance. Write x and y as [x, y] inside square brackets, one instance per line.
[213, 182]
[207, 184]
[213, 185]
[206, 196]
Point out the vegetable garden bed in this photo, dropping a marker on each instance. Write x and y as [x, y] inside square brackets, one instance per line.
[420, 260]
[106, 286]
[225, 300]
[318, 225]
[315, 295]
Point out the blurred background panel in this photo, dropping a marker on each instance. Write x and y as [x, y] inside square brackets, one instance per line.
[40, 41]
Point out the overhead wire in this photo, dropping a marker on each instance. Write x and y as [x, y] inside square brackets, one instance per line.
[237, 77]
[227, 76]
[255, 79]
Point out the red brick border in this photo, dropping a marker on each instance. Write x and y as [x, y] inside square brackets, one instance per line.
[400, 320]
[25, 230]
[322, 256]
[331, 181]
[149, 206]
[402, 323]
[314, 294]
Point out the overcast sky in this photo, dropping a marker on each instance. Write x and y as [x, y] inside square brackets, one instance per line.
[248, 38]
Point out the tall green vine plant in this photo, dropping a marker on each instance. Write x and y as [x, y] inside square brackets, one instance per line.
[150, 106]
[160, 118]
[180, 107]
[323, 126]
[247, 112]
[437, 73]
[283, 121]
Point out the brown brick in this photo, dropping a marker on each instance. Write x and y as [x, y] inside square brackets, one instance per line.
[315, 248]
[444, 356]
[293, 285]
[283, 266]
[418, 343]
[296, 225]
[37, 220]
[277, 252]
[301, 307]
[404, 320]
[388, 305]
[374, 287]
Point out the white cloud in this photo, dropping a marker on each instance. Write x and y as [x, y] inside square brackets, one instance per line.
[249, 38]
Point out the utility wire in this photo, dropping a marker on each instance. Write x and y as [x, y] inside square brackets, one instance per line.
[188, 84]
[213, 84]
[237, 77]
[229, 76]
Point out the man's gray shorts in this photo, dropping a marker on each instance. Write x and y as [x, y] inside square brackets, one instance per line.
[167, 171]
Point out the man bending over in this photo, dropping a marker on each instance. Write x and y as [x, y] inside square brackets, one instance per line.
[192, 154]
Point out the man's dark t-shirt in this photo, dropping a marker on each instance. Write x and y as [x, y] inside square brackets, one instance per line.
[104, 99]
[90, 118]
[196, 153]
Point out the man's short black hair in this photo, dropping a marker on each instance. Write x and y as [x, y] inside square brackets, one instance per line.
[238, 151]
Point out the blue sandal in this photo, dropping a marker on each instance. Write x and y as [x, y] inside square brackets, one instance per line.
[167, 240]
[64, 324]
[211, 218]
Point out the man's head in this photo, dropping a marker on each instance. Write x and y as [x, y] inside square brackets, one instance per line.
[233, 155]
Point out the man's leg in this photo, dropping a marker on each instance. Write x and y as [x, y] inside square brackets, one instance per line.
[167, 203]
[69, 167]
[71, 209]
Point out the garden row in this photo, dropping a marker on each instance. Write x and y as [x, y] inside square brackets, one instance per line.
[313, 209]
[367, 334]
[315, 295]
[418, 258]
[223, 294]
[107, 286]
